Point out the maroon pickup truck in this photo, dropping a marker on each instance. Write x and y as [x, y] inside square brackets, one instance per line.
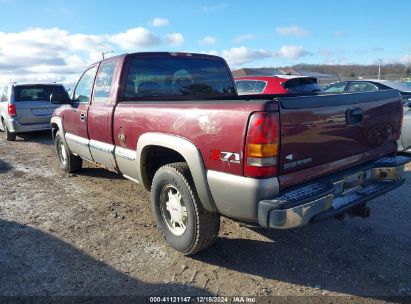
[174, 123]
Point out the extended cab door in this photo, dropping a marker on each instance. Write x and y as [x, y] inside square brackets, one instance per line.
[75, 119]
[100, 115]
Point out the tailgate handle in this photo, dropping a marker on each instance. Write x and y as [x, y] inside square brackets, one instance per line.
[354, 116]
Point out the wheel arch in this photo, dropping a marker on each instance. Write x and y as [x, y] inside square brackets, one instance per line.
[182, 150]
[56, 124]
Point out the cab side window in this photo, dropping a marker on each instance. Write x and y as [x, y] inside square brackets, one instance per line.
[104, 80]
[82, 93]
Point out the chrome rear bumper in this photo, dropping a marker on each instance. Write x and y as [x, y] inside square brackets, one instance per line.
[332, 195]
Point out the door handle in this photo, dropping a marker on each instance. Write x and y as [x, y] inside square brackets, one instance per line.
[354, 116]
[82, 116]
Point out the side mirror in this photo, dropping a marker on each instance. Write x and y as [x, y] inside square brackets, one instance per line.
[60, 98]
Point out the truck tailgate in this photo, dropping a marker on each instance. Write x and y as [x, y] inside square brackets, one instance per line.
[321, 129]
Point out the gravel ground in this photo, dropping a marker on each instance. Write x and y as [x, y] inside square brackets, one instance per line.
[92, 234]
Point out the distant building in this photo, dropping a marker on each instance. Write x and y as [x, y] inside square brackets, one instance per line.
[321, 77]
[288, 71]
[256, 72]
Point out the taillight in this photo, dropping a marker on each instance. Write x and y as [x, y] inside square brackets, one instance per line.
[262, 145]
[12, 110]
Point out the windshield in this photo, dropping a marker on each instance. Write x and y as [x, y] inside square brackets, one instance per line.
[178, 76]
[302, 85]
[35, 92]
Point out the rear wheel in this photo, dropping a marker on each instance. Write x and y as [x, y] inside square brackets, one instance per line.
[68, 161]
[10, 136]
[184, 223]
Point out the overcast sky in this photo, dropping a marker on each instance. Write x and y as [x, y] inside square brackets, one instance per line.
[54, 40]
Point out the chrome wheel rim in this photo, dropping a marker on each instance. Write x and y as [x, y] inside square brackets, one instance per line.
[173, 210]
[63, 153]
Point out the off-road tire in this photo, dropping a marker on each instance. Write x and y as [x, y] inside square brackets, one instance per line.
[73, 162]
[202, 226]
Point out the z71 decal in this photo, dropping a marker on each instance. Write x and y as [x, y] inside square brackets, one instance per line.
[225, 156]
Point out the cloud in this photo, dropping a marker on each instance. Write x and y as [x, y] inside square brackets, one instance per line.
[159, 22]
[241, 55]
[244, 38]
[53, 54]
[328, 52]
[294, 30]
[135, 38]
[175, 39]
[212, 52]
[292, 52]
[331, 56]
[44, 54]
[214, 7]
[207, 41]
[340, 34]
[377, 49]
[325, 52]
[406, 59]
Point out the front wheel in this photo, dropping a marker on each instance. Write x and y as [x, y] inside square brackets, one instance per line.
[184, 223]
[68, 161]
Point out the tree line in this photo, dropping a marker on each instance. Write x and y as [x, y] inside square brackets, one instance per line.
[354, 70]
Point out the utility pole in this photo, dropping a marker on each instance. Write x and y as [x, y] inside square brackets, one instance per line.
[103, 53]
[379, 67]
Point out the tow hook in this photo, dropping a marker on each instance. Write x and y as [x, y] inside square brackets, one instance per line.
[362, 211]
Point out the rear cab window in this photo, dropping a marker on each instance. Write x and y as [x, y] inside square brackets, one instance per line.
[35, 92]
[162, 77]
[250, 86]
[302, 85]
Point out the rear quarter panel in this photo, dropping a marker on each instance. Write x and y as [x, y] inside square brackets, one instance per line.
[210, 125]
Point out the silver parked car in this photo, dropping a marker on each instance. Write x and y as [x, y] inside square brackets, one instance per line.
[404, 143]
[26, 107]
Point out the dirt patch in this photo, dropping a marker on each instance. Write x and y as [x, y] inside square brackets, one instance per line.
[92, 233]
